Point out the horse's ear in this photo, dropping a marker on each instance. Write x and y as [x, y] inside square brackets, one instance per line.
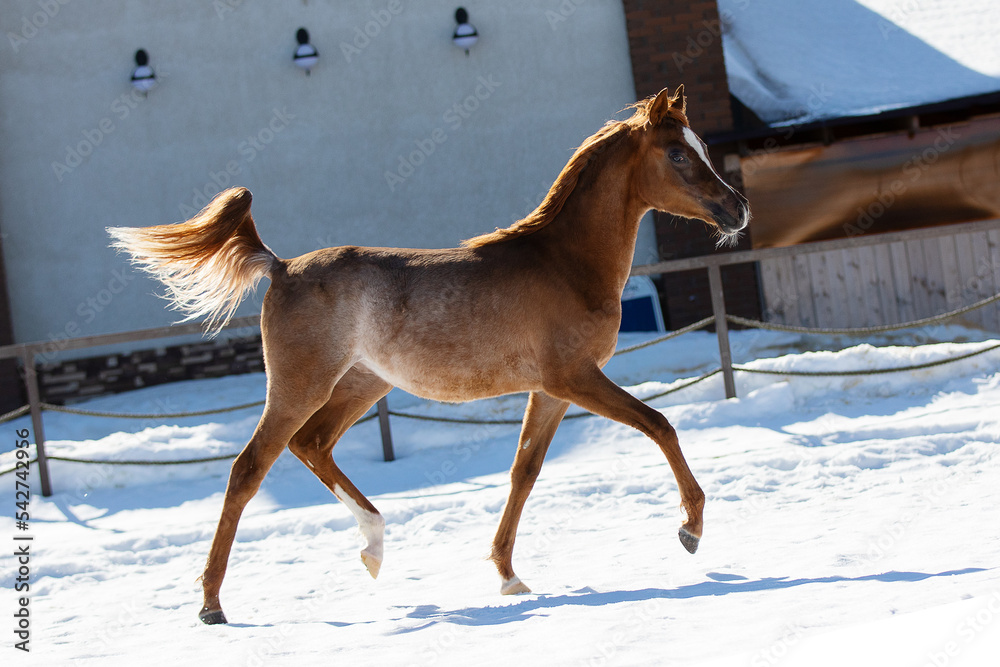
[658, 109]
[664, 102]
[679, 96]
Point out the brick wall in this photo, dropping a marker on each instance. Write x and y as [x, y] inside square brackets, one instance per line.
[68, 381]
[677, 42]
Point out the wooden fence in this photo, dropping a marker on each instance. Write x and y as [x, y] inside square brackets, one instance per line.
[894, 281]
[862, 279]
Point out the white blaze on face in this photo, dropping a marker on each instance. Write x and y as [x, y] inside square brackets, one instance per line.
[692, 139]
[695, 143]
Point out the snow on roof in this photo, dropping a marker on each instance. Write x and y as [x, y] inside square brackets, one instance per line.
[795, 61]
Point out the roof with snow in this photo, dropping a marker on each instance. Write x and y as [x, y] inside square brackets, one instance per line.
[795, 61]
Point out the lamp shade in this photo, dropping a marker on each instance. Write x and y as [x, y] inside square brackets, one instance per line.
[466, 35]
[306, 56]
[143, 77]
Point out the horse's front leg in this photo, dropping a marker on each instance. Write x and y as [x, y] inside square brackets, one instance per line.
[593, 391]
[541, 419]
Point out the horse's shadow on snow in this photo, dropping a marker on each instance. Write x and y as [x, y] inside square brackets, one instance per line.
[722, 585]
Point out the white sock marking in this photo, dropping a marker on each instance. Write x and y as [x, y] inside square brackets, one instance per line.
[372, 525]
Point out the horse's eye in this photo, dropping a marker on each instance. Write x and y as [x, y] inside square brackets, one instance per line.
[678, 156]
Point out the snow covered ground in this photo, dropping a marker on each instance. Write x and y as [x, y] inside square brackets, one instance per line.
[850, 521]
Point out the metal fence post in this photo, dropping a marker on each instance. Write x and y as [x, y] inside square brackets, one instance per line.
[31, 384]
[721, 327]
[383, 425]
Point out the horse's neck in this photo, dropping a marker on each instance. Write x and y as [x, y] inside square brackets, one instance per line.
[597, 227]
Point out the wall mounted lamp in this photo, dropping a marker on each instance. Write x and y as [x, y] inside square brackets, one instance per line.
[465, 36]
[143, 77]
[306, 56]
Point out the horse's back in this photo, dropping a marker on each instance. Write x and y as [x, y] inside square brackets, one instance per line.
[451, 324]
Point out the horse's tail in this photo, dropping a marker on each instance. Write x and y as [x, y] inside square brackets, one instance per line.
[208, 263]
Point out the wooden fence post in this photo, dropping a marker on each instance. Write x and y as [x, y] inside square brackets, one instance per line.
[721, 327]
[383, 425]
[35, 403]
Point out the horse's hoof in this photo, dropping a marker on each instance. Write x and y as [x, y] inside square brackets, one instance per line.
[689, 541]
[373, 563]
[513, 587]
[212, 617]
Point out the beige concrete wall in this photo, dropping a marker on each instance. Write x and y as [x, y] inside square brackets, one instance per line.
[397, 138]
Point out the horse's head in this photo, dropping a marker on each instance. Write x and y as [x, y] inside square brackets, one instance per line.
[676, 174]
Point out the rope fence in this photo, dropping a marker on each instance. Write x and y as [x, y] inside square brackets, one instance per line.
[700, 324]
[148, 415]
[402, 415]
[147, 462]
[493, 422]
[126, 462]
[50, 407]
[866, 371]
[575, 415]
[19, 412]
[860, 331]
[14, 414]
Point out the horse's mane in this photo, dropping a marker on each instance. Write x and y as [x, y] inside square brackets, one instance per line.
[609, 135]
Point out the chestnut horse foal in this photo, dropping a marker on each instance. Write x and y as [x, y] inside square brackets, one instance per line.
[532, 308]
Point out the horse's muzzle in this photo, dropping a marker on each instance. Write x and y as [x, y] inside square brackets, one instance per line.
[728, 221]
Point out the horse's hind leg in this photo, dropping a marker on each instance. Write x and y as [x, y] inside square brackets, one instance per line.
[541, 419]
[356, 392]
[277, 424]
